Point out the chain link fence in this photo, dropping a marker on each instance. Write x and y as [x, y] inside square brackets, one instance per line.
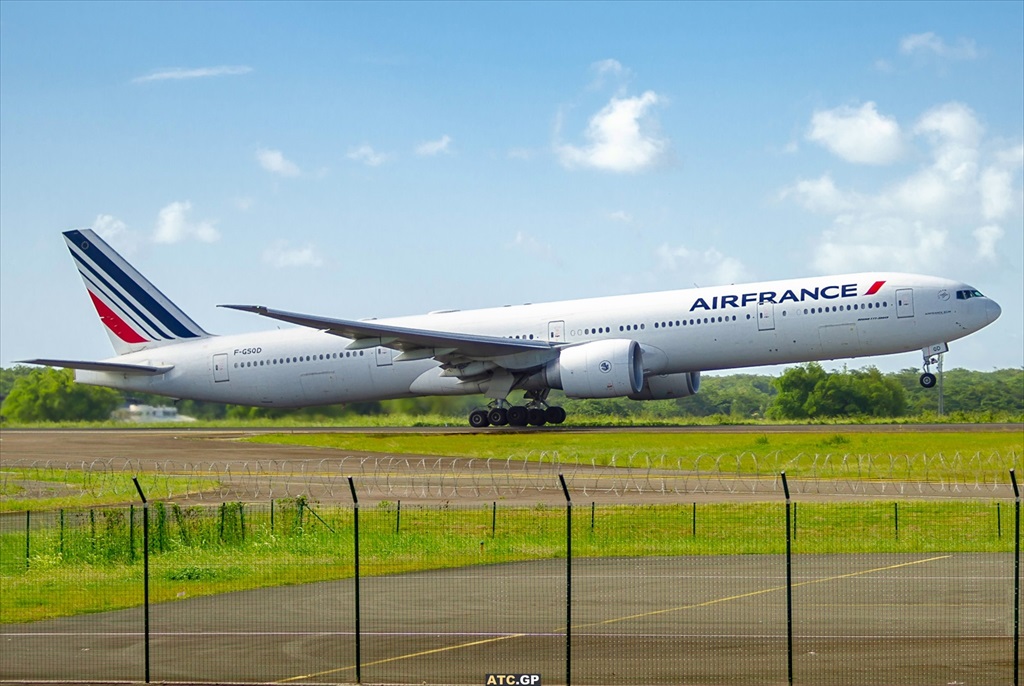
[290, 587]
[634, 475]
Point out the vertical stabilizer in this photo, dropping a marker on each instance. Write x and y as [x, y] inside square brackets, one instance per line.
[134, 311]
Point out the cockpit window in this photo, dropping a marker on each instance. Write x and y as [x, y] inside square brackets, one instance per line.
[968, 294]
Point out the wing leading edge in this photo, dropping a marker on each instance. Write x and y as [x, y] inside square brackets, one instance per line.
[413, 343]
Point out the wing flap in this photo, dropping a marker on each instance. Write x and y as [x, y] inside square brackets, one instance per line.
[370, 334]
[115, 367]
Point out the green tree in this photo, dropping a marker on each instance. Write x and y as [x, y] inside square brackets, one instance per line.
[808, 392]
[51, 395]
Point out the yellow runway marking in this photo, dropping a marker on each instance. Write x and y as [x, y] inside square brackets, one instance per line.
[614, 620]
[763, 591]
[403, 657]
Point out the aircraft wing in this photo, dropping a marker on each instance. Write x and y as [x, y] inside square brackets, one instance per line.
[410, 341]
[115, 367]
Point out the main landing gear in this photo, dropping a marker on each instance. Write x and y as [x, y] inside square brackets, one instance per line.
[536, 412]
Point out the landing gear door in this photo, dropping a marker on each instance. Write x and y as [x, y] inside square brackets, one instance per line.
[220, 367]
[556, 332]
[766, 316]
[905, 302]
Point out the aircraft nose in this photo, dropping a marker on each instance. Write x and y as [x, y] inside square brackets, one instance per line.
[993, 311]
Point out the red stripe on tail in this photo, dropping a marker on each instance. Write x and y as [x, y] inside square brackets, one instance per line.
[874, 287]
[115, 323]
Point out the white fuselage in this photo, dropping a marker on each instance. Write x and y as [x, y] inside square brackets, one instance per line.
[691, 330]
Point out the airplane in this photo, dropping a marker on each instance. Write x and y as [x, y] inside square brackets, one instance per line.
[647, 346]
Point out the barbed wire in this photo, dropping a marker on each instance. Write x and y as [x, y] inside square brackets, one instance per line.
[622, 475]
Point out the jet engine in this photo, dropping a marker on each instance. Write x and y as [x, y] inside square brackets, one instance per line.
[601, 369]
[666, 386]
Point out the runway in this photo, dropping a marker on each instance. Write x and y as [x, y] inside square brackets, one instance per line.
[858, 619]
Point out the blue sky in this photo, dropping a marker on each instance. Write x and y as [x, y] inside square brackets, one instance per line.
[360, 160]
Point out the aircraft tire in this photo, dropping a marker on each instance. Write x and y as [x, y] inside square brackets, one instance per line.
[554, 415]
[498, 416]
[517, 415]
[478, 419]
[535, 416]
[928, 380]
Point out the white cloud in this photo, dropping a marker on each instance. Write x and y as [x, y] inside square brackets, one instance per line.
[621, 137]
[987, 237]
[922, 220]
[534, 247]
[431, 148]
[879, 242]
[954, 133]
[281, 255]
[621, 216]
[931, 44]
[173, 226]
[367, 155]
[180, 74]
[820, 195]
[116, 232]
[521, 154]
[859, 135]
[608, 69]
[707, 268]
[274, 161]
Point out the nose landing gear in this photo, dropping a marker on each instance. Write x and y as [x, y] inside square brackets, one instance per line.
[932, 355]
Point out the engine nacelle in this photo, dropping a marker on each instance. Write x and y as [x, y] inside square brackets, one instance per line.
[601, 369]
[666, 386]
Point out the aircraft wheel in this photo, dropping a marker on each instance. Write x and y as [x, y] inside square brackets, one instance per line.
[498, 416]
[478, 419]
[928, 380]
[517, 415]
[535, 416]
[554, 415]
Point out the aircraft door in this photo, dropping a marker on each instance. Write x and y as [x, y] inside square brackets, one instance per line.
[905, 302]
[220, 367]
[556, 332]
[766, 316]
[384, 356]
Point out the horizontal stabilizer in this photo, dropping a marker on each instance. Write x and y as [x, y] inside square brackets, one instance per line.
[115, 367]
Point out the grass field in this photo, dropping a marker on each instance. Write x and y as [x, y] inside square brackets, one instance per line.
[971, 456]
[94, 564]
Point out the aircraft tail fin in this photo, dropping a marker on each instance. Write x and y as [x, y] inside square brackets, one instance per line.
[134, 312]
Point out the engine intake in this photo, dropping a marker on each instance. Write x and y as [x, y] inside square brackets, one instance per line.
[601, 369]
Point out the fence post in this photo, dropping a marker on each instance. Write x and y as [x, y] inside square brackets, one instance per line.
[999, 521]
[896, 518]
[789, 587]
[1016, 580]
[131, 531]
[62, 532]
[568, 582]
[28, 528]
[355, 537]
[694, 531]
[398, 517]
[494, 517]
[271, 515]
[241, 519]
[145, 566]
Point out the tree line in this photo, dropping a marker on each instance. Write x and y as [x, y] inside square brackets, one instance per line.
[805, 392]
